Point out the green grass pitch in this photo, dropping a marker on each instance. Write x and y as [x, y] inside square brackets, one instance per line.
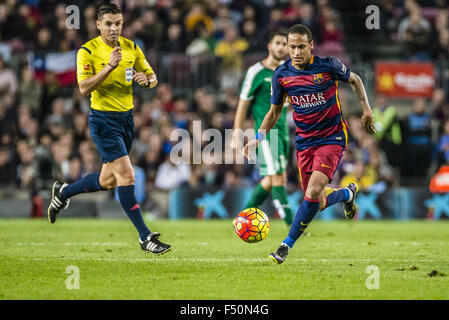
[209, 261]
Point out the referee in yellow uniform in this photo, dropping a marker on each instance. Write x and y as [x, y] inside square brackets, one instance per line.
[107, 66]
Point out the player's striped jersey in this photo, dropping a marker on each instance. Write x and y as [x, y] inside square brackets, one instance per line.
[257, 87]
[115, 93]
[313, 93]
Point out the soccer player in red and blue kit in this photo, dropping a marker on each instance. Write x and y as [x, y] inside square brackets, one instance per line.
[311, 85]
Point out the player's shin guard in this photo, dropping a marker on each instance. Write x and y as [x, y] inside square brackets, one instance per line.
[280, 201]
[90, 183]
[132, 208]
[258, 197]
[304, 216]
[336, 195]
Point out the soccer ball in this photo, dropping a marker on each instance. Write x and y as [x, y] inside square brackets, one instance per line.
[252, 225]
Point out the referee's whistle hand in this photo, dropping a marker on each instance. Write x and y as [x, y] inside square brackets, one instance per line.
[116, 57]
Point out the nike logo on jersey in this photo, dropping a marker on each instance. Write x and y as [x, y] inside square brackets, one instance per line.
[323, 165]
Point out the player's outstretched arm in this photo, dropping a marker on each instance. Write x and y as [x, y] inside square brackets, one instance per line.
[359, 89]
[90, 84]
[267, 124]
[240, 115]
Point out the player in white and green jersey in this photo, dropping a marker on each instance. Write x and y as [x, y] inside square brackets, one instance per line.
[274, 150]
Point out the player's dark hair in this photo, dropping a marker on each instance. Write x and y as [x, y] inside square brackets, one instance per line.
[277, 33]
[300, 29]
[108, 8]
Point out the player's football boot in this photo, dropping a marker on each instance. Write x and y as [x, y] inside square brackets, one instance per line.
[351, 206]
[57, 203]
[280, 254]
[152, 244]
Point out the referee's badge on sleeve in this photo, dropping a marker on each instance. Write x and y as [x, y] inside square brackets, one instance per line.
[129, 74]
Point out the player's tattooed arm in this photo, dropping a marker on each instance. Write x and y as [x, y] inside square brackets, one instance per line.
[359, 89]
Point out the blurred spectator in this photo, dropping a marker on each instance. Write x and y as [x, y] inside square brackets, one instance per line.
[7, 168]
[171, 175]
[223, 21]
[418, 143]
[293, 11]
[152, 29]
[230, 50]
[30, 90]
[253, 36]
[388, 23]
[231, 179]
[8, 79]
[277, 20]
[45, 40]
[196, 16]
[174, 40]
[330, 25]
[364, 176]
[164, 93]
[203, 41]
[75, 170]
[180, 117]
[443, 146]
[307, 18]
[440, 105]
[415, 33]
[388, 130]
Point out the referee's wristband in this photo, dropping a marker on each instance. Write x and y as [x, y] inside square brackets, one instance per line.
[259, 136]
[112, 66]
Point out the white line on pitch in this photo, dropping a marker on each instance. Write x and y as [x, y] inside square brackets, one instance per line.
[33, 243]
[162, 259]
[73, 243]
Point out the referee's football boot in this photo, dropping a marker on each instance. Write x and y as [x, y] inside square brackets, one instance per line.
[152, 244]
[280, 254]
[351, 206]
[57, 203]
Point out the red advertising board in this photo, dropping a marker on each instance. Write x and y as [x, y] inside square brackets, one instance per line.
[440, 181]
[402, 79]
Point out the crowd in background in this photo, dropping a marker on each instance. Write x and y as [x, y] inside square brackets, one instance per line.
[421, 27]
[43, 126]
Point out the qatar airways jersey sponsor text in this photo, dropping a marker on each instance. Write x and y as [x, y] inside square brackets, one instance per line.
[308, 100]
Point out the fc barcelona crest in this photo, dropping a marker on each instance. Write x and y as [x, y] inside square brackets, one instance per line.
[318, 78]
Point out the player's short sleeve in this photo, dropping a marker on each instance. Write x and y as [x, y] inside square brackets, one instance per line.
[277, 90]
[84, 65]
[249, 85]
[141, 64]
[339, 70]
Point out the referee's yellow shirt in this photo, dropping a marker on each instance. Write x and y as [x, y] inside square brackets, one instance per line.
[115, 93]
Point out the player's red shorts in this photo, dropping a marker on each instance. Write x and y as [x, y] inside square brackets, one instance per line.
[325, 158]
